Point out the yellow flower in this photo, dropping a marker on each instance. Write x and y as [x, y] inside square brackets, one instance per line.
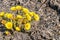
[31, 13]
[17, 29]
[25, 10]
[6, 14]
[19, 16]
[9, 25]
[36, 17]
[27, 26]
[7, 32]
[9, 15]
[3, 21]
[34, 13]
[18, 7]
[1, 14]
[28, 17]
[13, 8]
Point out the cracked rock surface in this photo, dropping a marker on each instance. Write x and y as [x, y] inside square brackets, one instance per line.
[48, 28]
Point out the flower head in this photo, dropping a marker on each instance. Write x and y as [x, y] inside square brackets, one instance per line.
[27, 26]
[9, 25]
[1, 14]
[3, 21]
[17, 28]
[31, 13]
[28, 17]
[13, 8]
[25, 10]
[6, 14]
[18, 7]
[19, 16]
[36, 17]
[7, 32]
[9, 16]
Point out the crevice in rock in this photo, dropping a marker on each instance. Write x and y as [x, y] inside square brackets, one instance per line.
[54, 7]
[58, 12]
[30, 36]
[18, 3]
[59, 19]
[39, 0]
[10, 39]
[43, 37]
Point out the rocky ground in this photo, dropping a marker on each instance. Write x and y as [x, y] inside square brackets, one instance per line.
[48, 28]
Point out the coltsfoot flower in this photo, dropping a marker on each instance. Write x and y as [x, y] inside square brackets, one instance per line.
[18, 7]
[36, 17]
[2, 14]
[31, 13]
[7, 32]
[27, 26]
[5, 14]
[9, 25]
[19, 17]
[9, 16]
[22, 17]
[13, 8]
[25, 10]
[28, 17]
[3, 21]
[17, 29]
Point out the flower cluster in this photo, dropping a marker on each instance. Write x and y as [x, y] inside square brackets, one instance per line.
[19, 20]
